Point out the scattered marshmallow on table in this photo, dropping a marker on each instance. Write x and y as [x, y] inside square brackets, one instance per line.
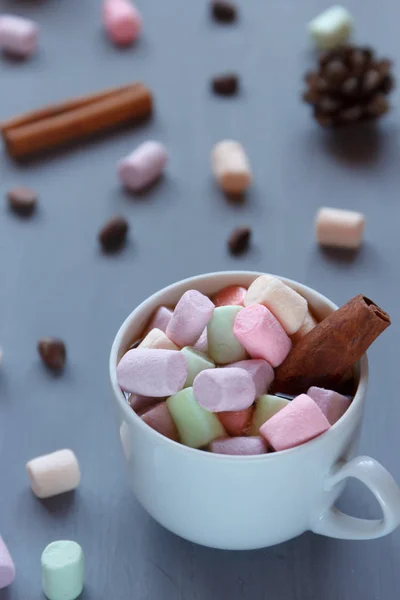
[331, 28]
[143, 166]
[149, 372]
[191, 315]
[261, 334]
[332, 404]
[7, 567]
[266, 407]
[157, 340]
[122, 21]
[231, 167]
[289, 307]
[62, 570]
[223, 346]
[236, 422]
[159, 418]
[308, 325]
[219, 390]
[241, 446]
[232, 295]
[196, 362]
[339, 228]
[196, 426]
[160, 319]
[53, 474]
[298, 422]
[261, 372]
[17, 35]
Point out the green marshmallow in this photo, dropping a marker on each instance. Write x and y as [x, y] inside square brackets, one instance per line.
[196, 362]
[197, 427]
[223, 347]
[62, 570]
[266, 407]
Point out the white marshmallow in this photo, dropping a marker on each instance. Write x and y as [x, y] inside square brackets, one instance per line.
[53, 474]
[231, 167]
[17, 35]
[340, 228]
[331, 28]
[157, 340]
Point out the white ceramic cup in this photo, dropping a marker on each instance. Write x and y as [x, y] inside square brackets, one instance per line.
[246, 502]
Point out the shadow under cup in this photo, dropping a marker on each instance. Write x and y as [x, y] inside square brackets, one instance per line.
[231, 502]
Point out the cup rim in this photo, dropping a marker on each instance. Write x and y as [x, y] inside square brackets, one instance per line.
[132, 418]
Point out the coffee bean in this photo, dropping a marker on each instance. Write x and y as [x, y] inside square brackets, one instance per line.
[239, 240]
[224, 11]
[225, 85]
[22, 200]
[52, 352]
[113, 234]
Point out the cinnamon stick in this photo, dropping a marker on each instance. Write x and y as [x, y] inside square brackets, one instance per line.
[324, 355]
[75, 119]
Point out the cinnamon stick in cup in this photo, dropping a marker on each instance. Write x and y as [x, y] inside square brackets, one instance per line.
[325, 354]
[69, 121]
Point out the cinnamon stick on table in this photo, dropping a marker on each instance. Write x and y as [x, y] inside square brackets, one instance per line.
[324, 355]
[75, 119]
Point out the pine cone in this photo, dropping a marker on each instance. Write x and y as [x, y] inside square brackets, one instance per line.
[350, 85]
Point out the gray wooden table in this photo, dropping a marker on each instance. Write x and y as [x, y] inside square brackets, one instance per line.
[54, 280]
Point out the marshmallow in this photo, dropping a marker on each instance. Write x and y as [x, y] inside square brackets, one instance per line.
[17, 35]
[7, 567]
[202, 343]
[53, 474]
[231, 167]
[261, 334]
[230, 296]
[196, 426]
[285, 304]
[241, 446]
[219, 390]
[261, 372]
[143, 166]
[266, 407]
[157, 340]
[308, 325]
[339, 228]
[300, 421]
[122, 21]
[236, 422]
[151, 372]
[331, 28]
[196, 362]
[223, 347]
[141, 404]
[160, 319]
[158, 418]
[332, 404]
[190, 317]
[62, 570]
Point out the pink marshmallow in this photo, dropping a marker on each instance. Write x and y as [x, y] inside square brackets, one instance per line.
[7, 567]
[17, 35]
[219, 390]
[202, 343]
[189, 319]
[261, 372]
[149, 372]
[158, 418]
[261, 334]
[332, 404]
[243, 446]
[143, 166]
[160, 319]
[298, 422]
[122, 21]
[230, 296]
[140, 404]
[236, 422]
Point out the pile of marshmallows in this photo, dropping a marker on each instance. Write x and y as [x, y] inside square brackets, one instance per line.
[202, 372]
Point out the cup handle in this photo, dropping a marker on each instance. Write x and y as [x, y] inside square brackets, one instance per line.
[334, 523]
